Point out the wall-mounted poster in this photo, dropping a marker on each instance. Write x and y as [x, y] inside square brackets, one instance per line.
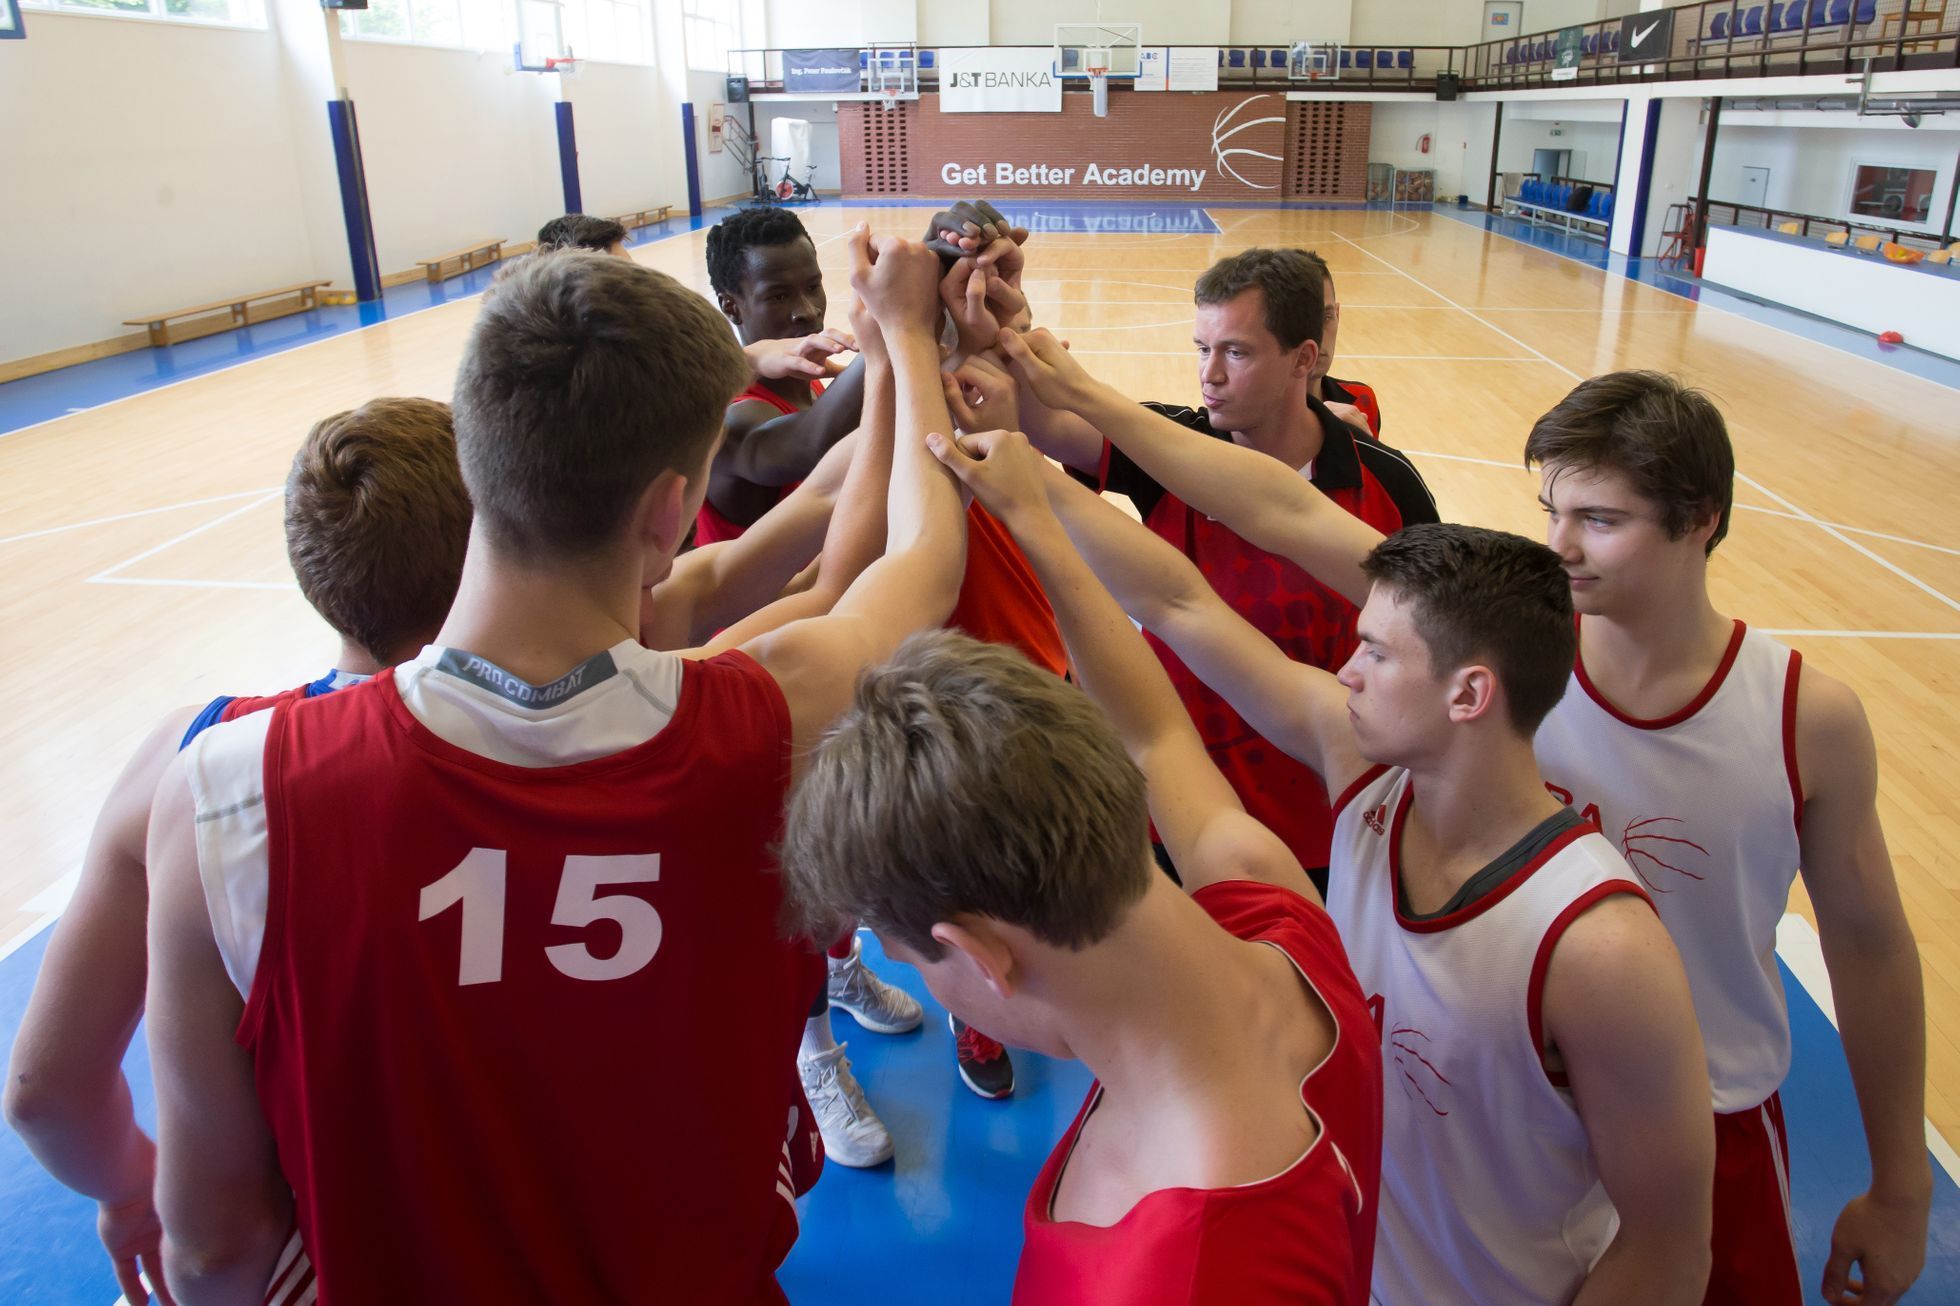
[1194, 68]
[1153, 68]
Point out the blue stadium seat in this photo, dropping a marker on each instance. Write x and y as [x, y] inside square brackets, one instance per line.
[1347, 58]
[1405, 59]
[864, 60]
[1750, 23]
[1259, 57]
[1590, 45]
[928, 58]
[1235, 58]
[1280, 59]
[1612, 41]
[1718, 30]
[1364, 58]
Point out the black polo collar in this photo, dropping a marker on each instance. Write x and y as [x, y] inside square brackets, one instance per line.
[1338, 465]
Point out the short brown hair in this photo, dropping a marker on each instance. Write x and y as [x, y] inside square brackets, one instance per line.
[377, 521]
[1296, 302]
[964, 780]
[585, 377]
[1479, 594]
[1666, 438]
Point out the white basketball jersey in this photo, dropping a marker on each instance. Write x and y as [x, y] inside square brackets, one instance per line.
[1705, 806]
[1489, 1191]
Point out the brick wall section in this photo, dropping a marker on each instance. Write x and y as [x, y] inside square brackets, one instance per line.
[1327, 149]
[906, 150]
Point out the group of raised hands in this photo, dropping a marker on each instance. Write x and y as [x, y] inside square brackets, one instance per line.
[963, 281]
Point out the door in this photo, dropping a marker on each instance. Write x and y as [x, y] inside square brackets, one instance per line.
[1755, 187]
[1503, 20]
[1549, 164]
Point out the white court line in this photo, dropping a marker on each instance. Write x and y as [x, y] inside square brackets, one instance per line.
[169, 582]
[1792, 507]
[1801, 950]
[1719, 308]
[179, 539]
[1740, 507]
[141, 512]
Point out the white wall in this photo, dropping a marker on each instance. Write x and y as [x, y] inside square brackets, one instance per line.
[1459, 135]
[1165, 22]
[1282, 22]
[721, 175]
[138, 179]
[629, 139]
[1811, 158]
[1589, 128]
[822, 117]
[1421, 22]
[457, 147]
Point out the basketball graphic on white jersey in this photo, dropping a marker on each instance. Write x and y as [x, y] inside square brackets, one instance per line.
[1660, 854]
[1409, 1049]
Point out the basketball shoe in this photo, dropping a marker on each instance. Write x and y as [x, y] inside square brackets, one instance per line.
[984, 1063]
[853, 1135]
[880, 1007]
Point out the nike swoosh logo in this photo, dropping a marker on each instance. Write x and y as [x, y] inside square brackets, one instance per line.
[1642, 33]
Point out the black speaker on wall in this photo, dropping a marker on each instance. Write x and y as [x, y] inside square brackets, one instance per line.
[343, 4]
[738, 90]
[1448, 85]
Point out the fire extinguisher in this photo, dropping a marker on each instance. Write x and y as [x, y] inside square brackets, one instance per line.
[1422, 146]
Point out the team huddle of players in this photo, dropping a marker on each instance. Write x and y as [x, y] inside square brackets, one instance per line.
[1411, 888]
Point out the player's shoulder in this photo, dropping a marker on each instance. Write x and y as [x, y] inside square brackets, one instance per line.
[225, 765]
[1833, 736]
[1613, 932]
[1397, 474]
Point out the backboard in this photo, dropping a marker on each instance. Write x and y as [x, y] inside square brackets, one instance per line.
[540, 35]
[1082, 46]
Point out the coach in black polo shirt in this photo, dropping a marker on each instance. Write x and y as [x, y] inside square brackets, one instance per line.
[1258, 315]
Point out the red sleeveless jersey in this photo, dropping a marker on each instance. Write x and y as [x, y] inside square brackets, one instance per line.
[491, 1020]
[1000, 600]
[1303, 1236]
[709, 525]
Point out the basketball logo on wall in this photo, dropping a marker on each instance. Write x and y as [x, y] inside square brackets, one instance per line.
[1229, 124]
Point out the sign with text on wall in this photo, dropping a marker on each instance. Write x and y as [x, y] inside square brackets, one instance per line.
[1222, 147]
[1153, 69]
[830, 71]
[999, 79]
[1194, 68]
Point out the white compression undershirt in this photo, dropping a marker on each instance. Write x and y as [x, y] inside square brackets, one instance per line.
[611, 703]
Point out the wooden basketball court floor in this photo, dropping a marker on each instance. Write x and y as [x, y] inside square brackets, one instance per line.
[142, 567]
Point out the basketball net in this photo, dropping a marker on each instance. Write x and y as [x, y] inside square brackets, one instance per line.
[1099, 89]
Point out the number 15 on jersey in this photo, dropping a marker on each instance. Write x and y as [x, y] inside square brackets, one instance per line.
[477, 883]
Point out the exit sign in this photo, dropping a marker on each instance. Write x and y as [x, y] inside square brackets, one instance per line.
[1558, 131]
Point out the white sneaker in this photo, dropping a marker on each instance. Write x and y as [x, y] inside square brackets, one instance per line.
[853, 1134]
[880, 1007]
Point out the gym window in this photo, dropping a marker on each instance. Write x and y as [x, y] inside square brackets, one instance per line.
[714, 27]
[225, 13]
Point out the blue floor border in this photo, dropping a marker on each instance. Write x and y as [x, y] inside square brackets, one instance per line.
[1650, 272]
[32, 400]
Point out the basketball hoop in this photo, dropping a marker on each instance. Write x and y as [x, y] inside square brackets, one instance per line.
[566, 66]
[1096, 63]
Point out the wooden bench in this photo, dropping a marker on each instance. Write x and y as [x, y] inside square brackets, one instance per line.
[467, 259]
[644, 217]
[226, 314]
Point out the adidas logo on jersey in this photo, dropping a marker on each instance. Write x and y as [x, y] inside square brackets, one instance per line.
[1376, 818]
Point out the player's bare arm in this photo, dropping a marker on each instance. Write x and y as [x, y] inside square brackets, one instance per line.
[915, 584]
[1300, 708]
[1197, 815]
[1266, 502]
[765, 447]
[1879, 1242]
[1621, 1022]
[225, 1207]
[715, 585]
[857, 529]
[66, 1095]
